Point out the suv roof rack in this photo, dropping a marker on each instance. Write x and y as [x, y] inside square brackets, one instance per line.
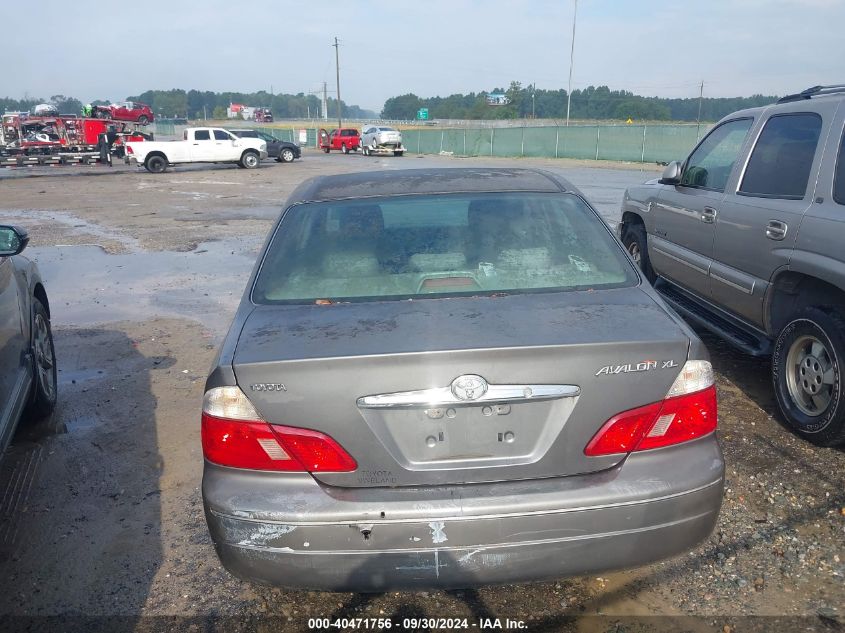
[813, 92]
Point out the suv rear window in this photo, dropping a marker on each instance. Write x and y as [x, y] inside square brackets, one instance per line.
[412, 247]
[780, 164]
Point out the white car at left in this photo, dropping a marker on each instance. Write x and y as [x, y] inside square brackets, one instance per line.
[198, 145]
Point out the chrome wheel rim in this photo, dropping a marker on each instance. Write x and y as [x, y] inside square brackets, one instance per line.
[44, 359]
[250, 160]
[287, 156]
[634, 251]
[810, 375]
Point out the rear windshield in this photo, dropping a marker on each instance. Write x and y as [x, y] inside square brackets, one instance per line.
[411, 247]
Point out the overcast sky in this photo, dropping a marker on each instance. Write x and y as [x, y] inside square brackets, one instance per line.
[428, 47]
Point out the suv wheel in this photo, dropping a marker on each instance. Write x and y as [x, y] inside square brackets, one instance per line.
[344, 149]
[286, 155]
[635, 241]
[807, 376]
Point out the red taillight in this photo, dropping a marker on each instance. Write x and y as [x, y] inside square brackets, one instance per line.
[234, 434]
[257, 445]
[129, 149]
[672, 421]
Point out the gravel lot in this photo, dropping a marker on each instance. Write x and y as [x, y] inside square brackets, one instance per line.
[100, 512]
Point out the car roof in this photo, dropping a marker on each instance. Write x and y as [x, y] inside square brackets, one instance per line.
[429, 181]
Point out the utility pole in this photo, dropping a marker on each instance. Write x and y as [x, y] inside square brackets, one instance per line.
[325, 112]
[533, 90]
[571, 60]
[337, 67]
[698, 120]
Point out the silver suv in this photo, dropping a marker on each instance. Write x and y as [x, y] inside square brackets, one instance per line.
[746, 237]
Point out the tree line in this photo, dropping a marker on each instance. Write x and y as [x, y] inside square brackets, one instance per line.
[600, 103]
[196, 104]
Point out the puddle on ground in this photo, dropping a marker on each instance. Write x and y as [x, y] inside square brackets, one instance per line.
[129, 243]
[87, 286]
[77, 376]
[78, 424]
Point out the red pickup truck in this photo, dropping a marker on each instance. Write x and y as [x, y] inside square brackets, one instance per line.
[345, 139]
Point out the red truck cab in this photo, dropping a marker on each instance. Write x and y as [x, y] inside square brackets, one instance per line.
[344, 139]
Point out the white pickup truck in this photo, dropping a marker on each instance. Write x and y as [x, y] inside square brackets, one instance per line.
[198, 145]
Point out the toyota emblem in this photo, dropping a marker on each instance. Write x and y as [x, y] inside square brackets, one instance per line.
[469, 387]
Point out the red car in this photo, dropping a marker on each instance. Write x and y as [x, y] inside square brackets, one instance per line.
[127, 111]
[345, 139]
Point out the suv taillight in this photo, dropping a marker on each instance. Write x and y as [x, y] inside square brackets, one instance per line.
[688, 412]
[235, 435]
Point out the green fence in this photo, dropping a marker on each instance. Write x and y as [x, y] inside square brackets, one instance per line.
[635, 143]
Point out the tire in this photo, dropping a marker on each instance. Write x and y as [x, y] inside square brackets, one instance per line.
[286, 155]
[398, 153]
[250, 160]
[44, 385]
[636, 243]
[156, 164]
[344, 149]
[143, 120]
[807, 375]
[326, 150]
[365, 150]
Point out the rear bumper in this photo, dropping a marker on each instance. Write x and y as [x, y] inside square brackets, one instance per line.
[291, 531]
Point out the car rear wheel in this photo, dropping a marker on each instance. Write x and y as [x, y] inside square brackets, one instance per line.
[344, 149]
[250, 160]
[156, 164]
[635, 242]
[398, 153]
[143, 120]
[44, 388]
[807, 375]
[326, 150]
[365, 150]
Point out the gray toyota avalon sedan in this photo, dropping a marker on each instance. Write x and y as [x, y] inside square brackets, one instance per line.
[451, 377]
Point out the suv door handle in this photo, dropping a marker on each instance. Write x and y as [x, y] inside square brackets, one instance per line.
[708, 215]
[776, 230]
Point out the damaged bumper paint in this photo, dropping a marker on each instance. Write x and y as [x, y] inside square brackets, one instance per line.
[288, 530]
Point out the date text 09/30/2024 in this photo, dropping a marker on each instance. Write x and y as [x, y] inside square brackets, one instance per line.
[414, 624]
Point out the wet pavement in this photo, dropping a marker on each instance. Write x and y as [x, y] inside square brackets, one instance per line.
[89, 286]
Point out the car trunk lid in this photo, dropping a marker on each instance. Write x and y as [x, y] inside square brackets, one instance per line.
[460, 390]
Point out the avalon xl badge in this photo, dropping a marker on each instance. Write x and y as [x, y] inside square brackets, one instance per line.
[469, 387]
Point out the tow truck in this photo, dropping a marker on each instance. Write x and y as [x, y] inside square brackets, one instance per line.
[61, 139]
